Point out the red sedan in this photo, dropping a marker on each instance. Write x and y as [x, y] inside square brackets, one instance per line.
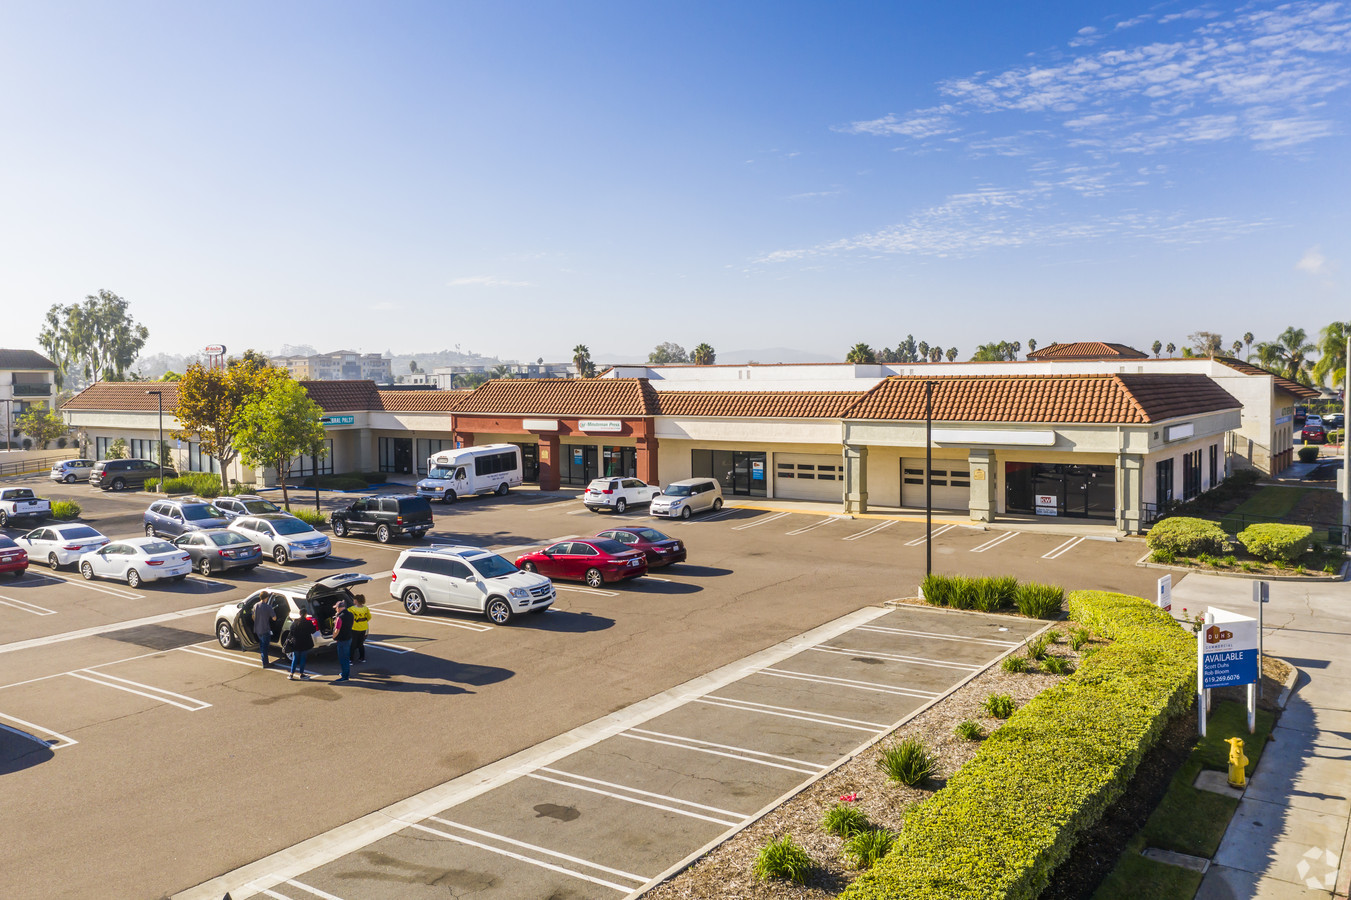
[660, 549]
[13, 558]
[593, 560]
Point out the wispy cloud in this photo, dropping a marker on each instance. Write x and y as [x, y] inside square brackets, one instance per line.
[1313, 262]
[812, 195]
[486, 281]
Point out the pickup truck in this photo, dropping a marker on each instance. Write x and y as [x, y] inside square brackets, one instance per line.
[18, 504]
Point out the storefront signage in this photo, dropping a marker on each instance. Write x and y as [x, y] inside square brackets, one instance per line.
[987, 436]
[1228, 649]
[1178, 432]
[539, 424]
[576, 456]
[1048, 505]
[1165, 601]
[602, 426]
[338, 420]
[757, 470]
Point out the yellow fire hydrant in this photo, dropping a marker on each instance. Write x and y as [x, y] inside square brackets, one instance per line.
[1237, 763]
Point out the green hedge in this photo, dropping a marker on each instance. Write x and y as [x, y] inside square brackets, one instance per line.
[1271, 541]
[992, 594]
[1186, 537]
[1307, 454]
[309, 515]
[1002, 824]
[203, 484]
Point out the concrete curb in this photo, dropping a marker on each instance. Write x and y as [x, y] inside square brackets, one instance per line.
[1144, 563]
[1288, 688]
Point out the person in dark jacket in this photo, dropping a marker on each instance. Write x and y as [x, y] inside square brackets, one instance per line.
[342, 639]
[302, 642]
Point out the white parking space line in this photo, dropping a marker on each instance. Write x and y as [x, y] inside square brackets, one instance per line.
[995, 542]
[251, 661]
[885, 629]
[322, 895]
[850, 683]
[634, 800]
[788, 712]
[881, 526]
[449, 623]
[742, 753]
[922, 538]
[149, 692]
[270, 893]
[27, 607]
[585, 590]
[763, 520]
[101, 588]
[64, 741]
[581, 512]
[624, 889]
[896, 657]
[106, 629]
[381, 645]
[557, 504]
[1063, 548]
[624, 787]
[805, 528]
[716, 517]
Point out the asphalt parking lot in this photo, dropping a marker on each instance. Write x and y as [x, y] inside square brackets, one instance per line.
[166, 761]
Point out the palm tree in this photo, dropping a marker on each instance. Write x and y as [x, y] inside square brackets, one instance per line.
[501, 370]
[1247, 339]
[1288, 354]
[1016, 346]
[703, 355]
[923, 348]
[861, 353]
[935, 354]
[1156, 347]
[1031, 345]
[581, 359]
[952, 354]
[1170, 348]
[1238, 347]
[1332, 353]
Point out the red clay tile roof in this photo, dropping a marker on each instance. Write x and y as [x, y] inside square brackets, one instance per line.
[1091, 399]
[125, 396]
[1285, 384]
[343, 396]
[1087, 350]
[561, 397]
[420, 401]
[757, 404]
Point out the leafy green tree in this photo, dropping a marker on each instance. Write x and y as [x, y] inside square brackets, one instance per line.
[209, 399]
[1206, 343]
[581, 360]
[274, 427]
[860, 353]
[703, 355]
[994, 352]
[412, 365]
[469, 381]
[666, 354]
[116, 450]
[41, 424]
[952, 354]
[907, 351]
[93, 340]
[1332, 353]
[170, 376]
[1289, 354]
[501, 370]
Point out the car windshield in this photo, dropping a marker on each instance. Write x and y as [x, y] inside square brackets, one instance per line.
[203, 511]
[258, 507]
[650, 534]
[21, 494]
[441, 472]
[228, 538]
[152, 547]
[678, 490]
[608, 546]
[79, 531]
[289, 526]
[492, 566]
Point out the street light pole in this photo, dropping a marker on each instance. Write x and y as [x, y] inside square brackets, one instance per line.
[159, 450]
[928, 479]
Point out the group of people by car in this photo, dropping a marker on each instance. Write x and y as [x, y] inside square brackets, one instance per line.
[350, 625]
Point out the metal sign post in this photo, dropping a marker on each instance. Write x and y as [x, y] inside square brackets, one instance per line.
[1201, 694]
[1261, 595]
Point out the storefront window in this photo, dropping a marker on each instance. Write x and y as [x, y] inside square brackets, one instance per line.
[426, 448]
[620, 462]
[1057, 489]
[1163, 482]
[529, 462]
[740, 472]
[396, 455]
[578, 464]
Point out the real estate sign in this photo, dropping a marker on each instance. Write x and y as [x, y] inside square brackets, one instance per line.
[1227, 647]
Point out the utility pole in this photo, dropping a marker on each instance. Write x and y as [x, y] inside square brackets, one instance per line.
[1346, 451]
[928, 480]
[159, 450]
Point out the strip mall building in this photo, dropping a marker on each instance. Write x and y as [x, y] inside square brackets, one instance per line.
[1088, 431]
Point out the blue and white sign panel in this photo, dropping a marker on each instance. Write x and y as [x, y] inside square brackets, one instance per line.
[1228, 650]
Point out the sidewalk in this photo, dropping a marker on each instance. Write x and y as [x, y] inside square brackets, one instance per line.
[1071, 527]
[1288, 839]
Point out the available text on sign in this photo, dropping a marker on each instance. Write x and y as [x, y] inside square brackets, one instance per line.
[1228, 650]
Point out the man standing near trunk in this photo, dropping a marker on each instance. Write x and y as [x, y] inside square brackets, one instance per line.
[342, 639]
[361, 626]
[263, 614]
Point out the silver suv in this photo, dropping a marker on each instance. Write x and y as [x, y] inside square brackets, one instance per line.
[682, 499]
[470, 579]
[72, 470]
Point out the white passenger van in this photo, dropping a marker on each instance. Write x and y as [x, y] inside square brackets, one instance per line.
[494, 468]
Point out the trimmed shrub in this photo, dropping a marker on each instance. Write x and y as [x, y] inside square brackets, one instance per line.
[908, 762]
[1039, 601]
[203, 484]
[963, 592]
[309, 516]
[994, 594]
[1000, 706]
[845, 820]
[969, 730]
[65, 509]
[1307, 454]
[1167, 557]
[866, 847]
[1186, 537]
[1276, 542]
[783, 858]
[1014, 664]
[937, 589]
[1011, 815]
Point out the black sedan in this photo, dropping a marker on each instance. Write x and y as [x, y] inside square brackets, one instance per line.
[660, 549]
[218, 550]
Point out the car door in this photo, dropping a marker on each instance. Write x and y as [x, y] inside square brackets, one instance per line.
[357, 517]
[192, 545]
[463, 590]
[583, 557]
[460, 481]
[553, 559]
[109, 561]
[38, 542]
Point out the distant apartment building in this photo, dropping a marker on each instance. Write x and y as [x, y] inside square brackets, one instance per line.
[27, 379]
[445, 377]
[342, 365]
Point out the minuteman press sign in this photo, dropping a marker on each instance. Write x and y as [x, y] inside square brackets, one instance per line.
[1228, 650]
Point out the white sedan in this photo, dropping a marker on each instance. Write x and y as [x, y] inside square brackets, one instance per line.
[136, 560]
[60, 545]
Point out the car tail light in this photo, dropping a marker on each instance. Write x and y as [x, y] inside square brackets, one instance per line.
[398, 520]
[607, 491]
[71, 547]
[393, 577]
[154, 562]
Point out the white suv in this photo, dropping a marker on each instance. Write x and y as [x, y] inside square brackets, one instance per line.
[467, 578]
[682, 499]
[618, 494]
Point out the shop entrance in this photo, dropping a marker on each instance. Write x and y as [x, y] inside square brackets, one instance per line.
[620, 462]
[396, 455]
[578, 466]
[529, 462]
[740, 472]
[1053, 489]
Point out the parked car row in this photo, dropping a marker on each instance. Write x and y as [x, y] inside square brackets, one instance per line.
[678, 500]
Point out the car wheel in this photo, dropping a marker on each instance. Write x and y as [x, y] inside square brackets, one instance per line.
[594, 578]
[448, 497]
[339, 528]
[502, 489]
[717, 504]
[4, 518]
[528, 567]
[17, 574]
[382, 534]
[413, 602]
[149, 530]
[419, 535]
[279, 555]
[69, 479]
[498, 611]
[133, 578]
[52, 561]
[205, 567]
[87, 571]
[686, 513]
[621, 505]
[119, 484]
[226, 635]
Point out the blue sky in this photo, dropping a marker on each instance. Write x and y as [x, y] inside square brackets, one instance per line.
[519, 178]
